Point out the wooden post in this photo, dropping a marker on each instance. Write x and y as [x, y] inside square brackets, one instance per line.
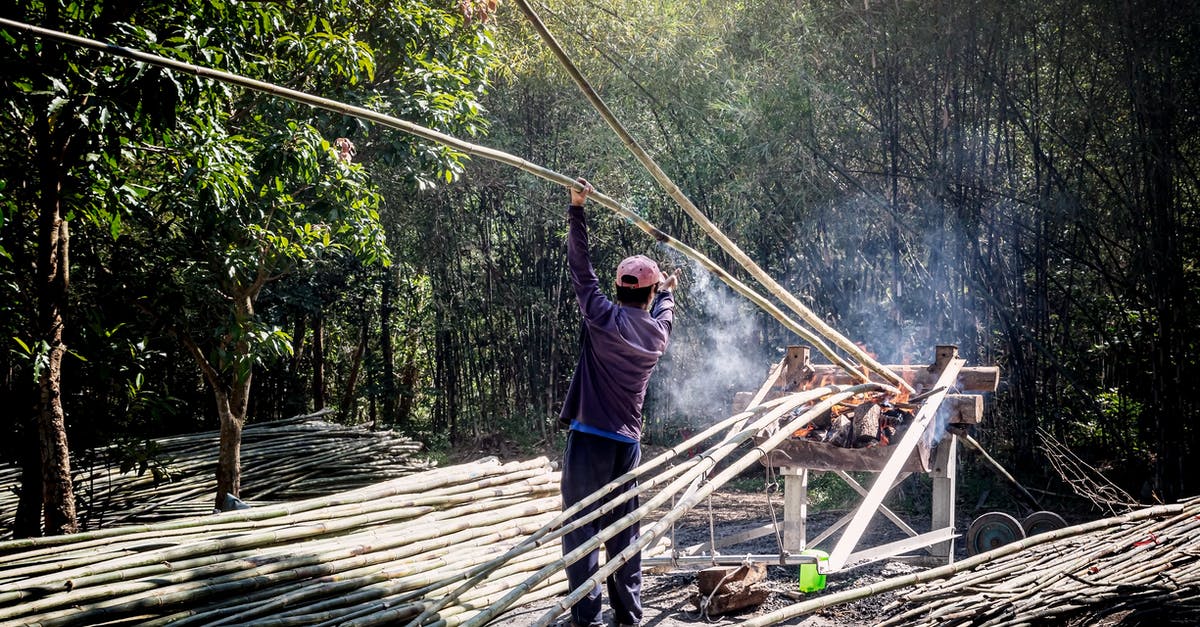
[795, 508]
[942, 355]
[945, 475]
[797, 367]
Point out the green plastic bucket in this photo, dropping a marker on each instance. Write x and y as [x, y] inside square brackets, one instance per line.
[812, 578]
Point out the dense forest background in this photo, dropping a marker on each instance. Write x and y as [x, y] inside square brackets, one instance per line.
[1017, 178]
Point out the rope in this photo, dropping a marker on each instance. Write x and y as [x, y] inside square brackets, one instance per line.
[714, 233]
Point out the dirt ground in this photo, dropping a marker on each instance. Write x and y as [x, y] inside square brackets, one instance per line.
[667, 597]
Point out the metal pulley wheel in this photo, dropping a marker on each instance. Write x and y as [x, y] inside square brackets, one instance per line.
[1041, 522]
[992, 530]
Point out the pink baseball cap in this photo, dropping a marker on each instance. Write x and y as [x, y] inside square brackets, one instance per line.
[638, 271]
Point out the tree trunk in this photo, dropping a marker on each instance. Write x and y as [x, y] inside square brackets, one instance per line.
[409, 376]
[347, 405]
[318, 359]
[28, 521]
[298, 343]
[53, 280]
[387, 352]
[229, 460]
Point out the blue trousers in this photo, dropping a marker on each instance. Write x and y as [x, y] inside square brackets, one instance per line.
[589, 462]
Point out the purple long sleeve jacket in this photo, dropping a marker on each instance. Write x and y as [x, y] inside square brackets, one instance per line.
[620, 346]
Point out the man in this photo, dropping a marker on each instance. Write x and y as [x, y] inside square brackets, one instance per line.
[620, 345]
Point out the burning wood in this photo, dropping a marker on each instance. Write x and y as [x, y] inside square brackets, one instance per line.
[858, 423]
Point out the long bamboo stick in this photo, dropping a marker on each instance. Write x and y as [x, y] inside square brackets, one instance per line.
[712, 230]
[708, 460]
[813, 605]
[457, 144]
[432, 480]
[555, 529]
[732, 470]
[362, 548]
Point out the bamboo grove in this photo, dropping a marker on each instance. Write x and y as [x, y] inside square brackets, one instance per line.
[1017, 178]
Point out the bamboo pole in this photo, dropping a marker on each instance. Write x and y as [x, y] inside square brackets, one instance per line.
[663, 524]
[431, 480]
[555, 528]
[895, 583]
[714, 233]
[708, 460]
[465, 148]
[404, 555]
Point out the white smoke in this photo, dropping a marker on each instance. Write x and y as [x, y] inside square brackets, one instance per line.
[716, 349]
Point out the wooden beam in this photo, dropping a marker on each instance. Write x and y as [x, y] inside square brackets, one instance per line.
[896, 520]
[972, 379]
[892, 549]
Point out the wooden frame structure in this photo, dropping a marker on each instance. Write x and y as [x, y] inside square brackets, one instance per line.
[926, 446]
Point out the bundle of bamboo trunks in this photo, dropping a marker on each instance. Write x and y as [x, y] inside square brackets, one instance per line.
[284, 460]
[1142, 567]
[363, 557]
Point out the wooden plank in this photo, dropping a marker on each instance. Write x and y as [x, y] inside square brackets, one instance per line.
[832, 529]
[822, 456]
[892, 549]
[797, 368]
[899, 456]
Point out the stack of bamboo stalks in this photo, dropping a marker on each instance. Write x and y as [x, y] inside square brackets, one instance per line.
[286, 460]
[1142, 567]
[363, 557]
[1140, 571]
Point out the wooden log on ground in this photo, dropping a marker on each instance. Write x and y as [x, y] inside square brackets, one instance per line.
[725, 589]
[715, 578]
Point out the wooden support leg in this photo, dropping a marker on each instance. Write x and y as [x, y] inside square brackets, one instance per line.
[944, 474]
[795, 508]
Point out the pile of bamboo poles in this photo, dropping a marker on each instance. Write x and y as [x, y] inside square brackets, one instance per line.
[1148, 568]
[1143, 566]
[363, 557]
[285, 460]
